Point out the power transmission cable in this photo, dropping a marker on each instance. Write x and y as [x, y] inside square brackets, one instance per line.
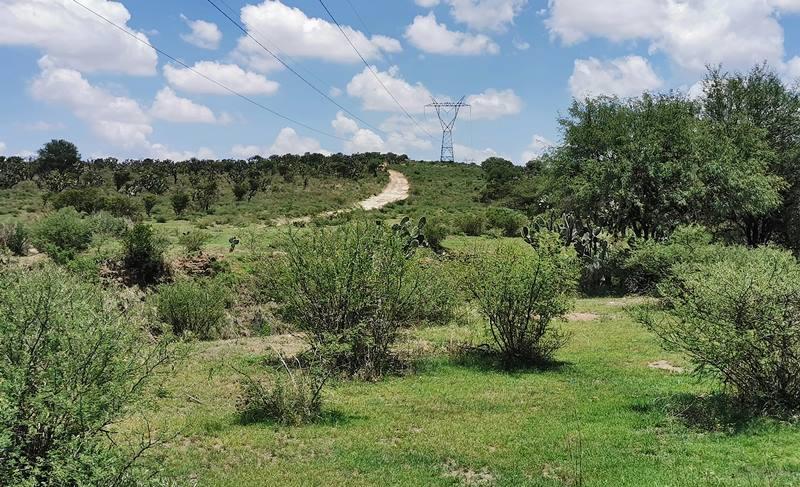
[358, 16]
[294, 71]
[226, 88]
[370, 68]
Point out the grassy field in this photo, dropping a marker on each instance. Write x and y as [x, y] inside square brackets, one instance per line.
[602, 417]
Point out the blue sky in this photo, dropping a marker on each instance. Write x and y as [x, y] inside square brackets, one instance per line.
[519, 62]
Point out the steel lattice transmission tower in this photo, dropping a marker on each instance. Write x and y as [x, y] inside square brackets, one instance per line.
[448, 113]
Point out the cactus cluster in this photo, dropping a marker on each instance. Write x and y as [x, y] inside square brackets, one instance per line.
[413, 235]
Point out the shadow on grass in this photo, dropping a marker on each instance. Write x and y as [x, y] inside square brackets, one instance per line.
[485, 359]
[328, 417]
[717, 412]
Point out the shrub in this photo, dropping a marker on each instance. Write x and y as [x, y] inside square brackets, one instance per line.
[520, 291]
[435, 232]
[193, 240]
[738, 319]
[70, 367]
[509, 221]
[239, 191]
[180, 201]
[472, 224]
[350, 289]
[650, 262]
[107, 225]
[193, 307]
[149, 201]
[291, 397]
[124, 206]
[62, 234]
[85, 200]
[15, 238]
[144, 254]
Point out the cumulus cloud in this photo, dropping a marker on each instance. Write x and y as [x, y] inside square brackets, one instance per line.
[73, 38]
[482, 14]
[159, 151]
[302, 36]
[404, 136]
[205, 35]
[116, 119]
[493, 104]
[230, 75]
[428, 35]
[536, 149]
[623, 77]
[374, 98]
[470, 154]
[427, 3]
[173, 108]
[737, 33]
[289, 141]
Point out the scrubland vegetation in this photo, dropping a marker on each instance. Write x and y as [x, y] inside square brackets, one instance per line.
[621, 311]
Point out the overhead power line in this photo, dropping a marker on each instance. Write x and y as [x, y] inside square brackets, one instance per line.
[290, 68]
[330, 14]
[226, 88]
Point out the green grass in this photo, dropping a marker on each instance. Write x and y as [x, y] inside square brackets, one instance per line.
[449, 422]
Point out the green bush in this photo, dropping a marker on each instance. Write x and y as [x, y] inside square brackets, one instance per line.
[71, 365]
[520, 291]
[62, 234]
[144, 254]
[15, 237]
[149, 201]
[651, 262]
[291, 397]
[509, 221]
[351, 289]
[180, 201]
[193, 307]
[738, 319]
[472, 224]
[85, 200]
[124, 206]
[435, 232]
[193, 240]
[107, 225]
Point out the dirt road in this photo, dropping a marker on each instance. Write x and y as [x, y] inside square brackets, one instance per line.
[396, 190]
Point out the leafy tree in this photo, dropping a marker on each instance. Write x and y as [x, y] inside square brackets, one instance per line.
[149, 201]
[59, 155]
[121, 178]
[500, 174]
[740, 105]
[13, 170]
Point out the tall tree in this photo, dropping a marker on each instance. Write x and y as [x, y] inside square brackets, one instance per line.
[59, 155]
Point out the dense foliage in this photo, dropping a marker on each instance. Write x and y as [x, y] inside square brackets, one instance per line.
[70, 366]
[738, 319]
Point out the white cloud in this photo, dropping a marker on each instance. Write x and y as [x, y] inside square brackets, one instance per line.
[172, 108]
[536, 149]
[623, 77]
[230, 75]
[493, 104]
[404, 136]
[3, 147]
[344, 125]
[335, 92]
[159, 151]
[786, 5]
[470, 154]
[301, 36]
[521, 45]
[493, 15]
[71, 37]
[737, 33]
[289, 142]
[428, 35]
[205, 35]
[374, 98]
[116, 119]
[427, 3]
